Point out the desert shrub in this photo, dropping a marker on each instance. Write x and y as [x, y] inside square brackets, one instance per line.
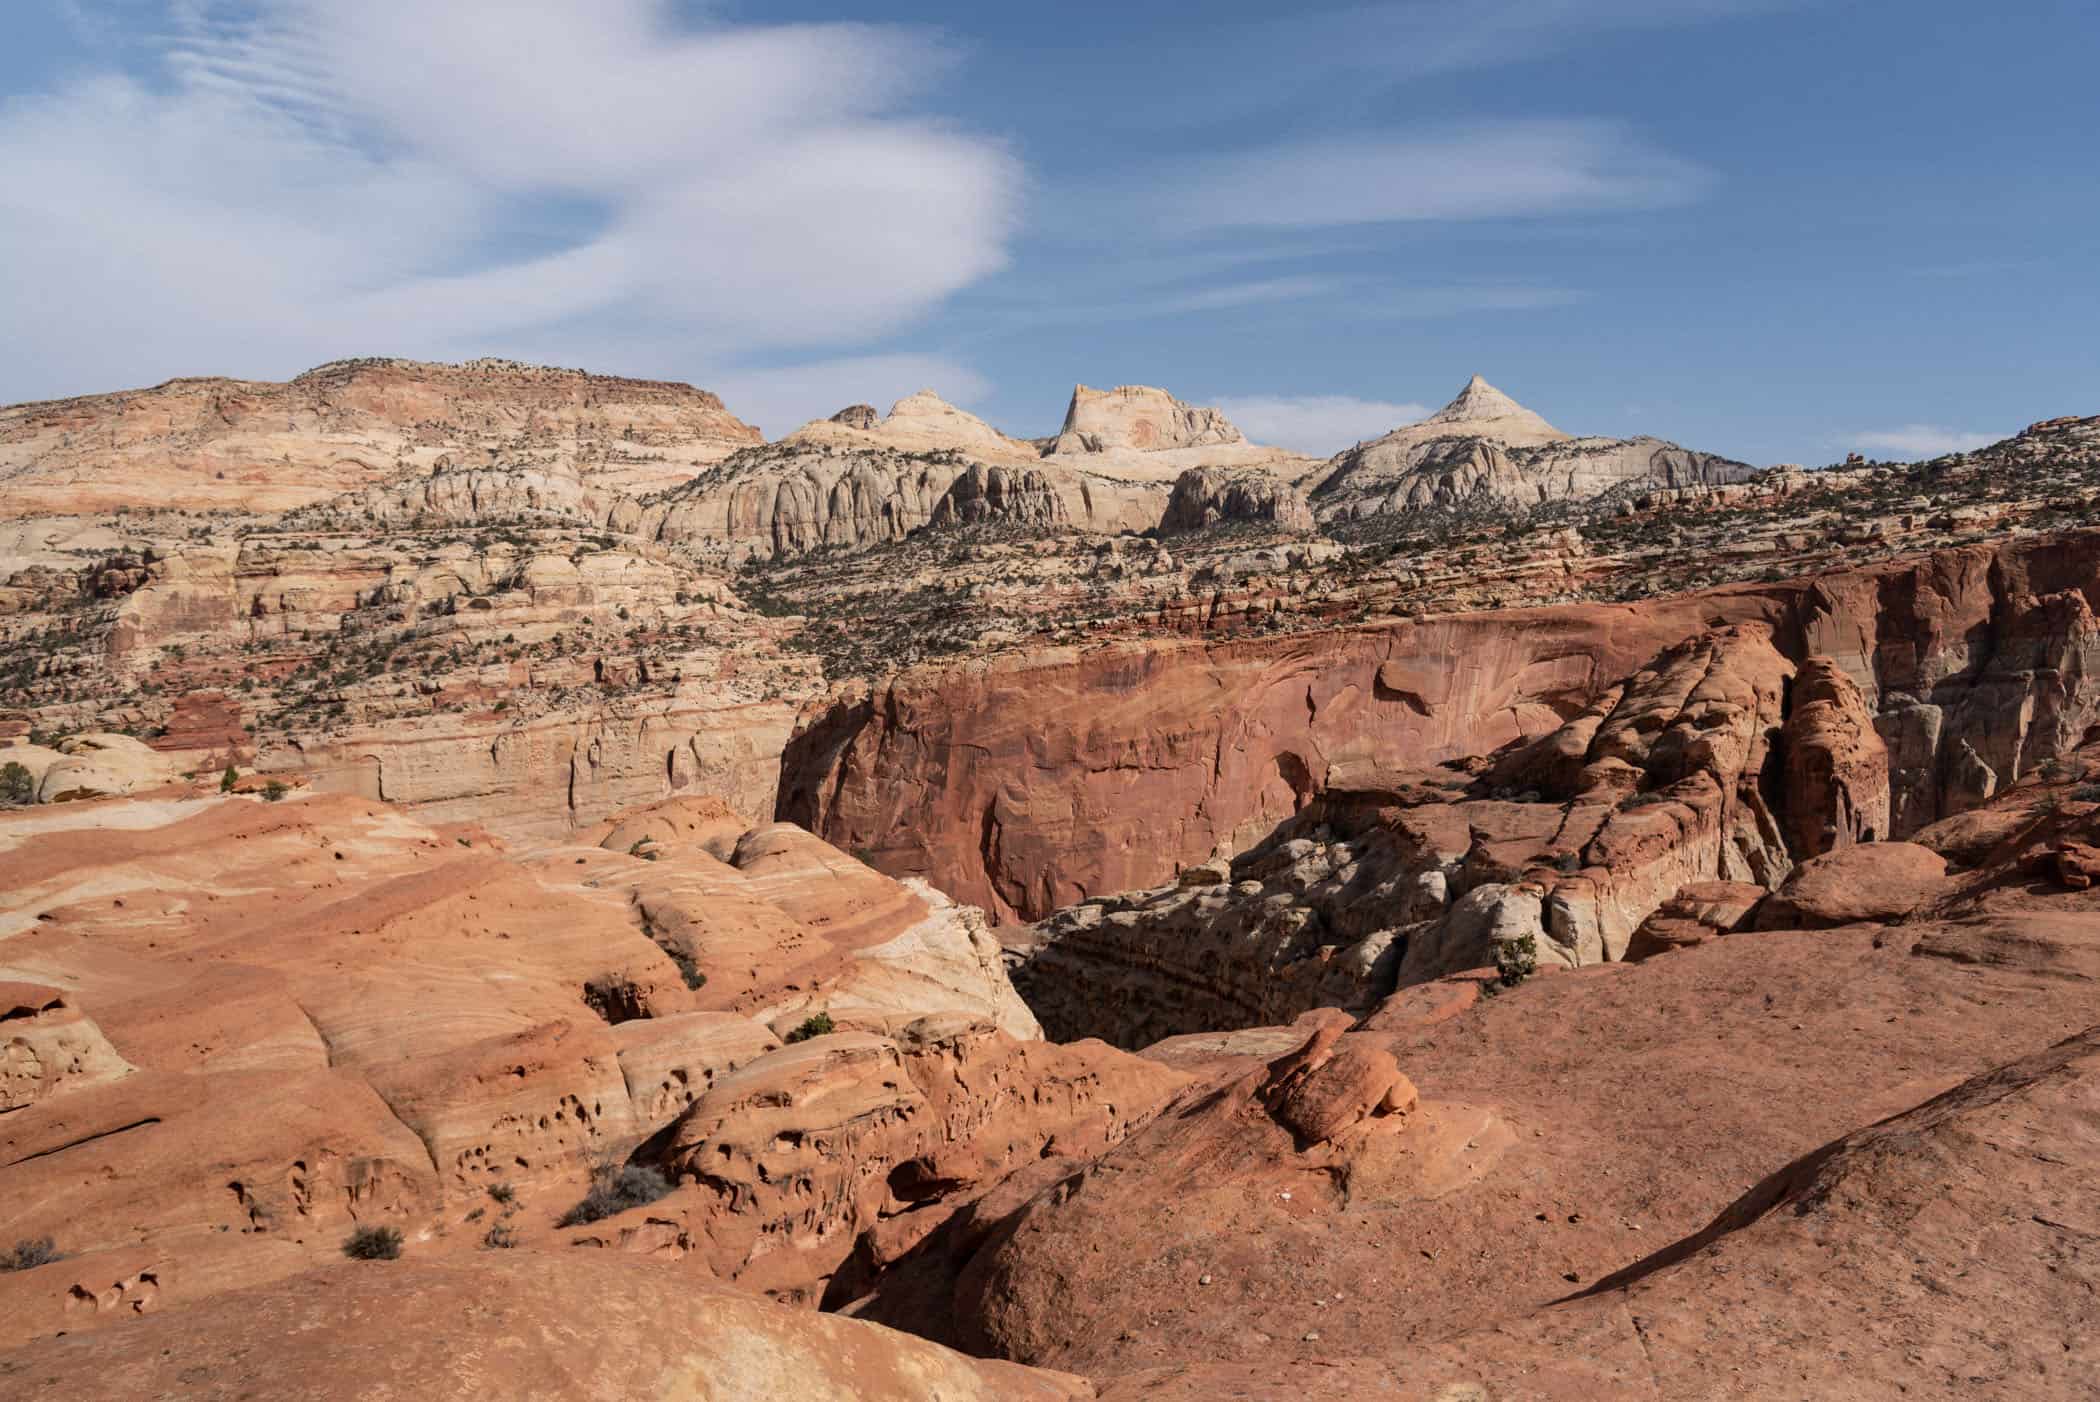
[499, 1237]
[2086, 793]
[614, 1189]
[688, 969]
[29, 1253]
[1516, 960]
[274, 792]
[227, 780]
[373, 1244]
[815, 1025]
[503, 1192]
[17, 787]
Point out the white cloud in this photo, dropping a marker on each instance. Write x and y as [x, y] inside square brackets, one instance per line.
[1319, 424]
[783, 399]
[315, 179]
[1916, 441]
[1477, 172]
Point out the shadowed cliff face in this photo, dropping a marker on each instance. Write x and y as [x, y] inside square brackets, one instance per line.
[1029, 784]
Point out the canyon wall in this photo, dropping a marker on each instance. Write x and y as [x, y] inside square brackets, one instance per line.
[1027, 783]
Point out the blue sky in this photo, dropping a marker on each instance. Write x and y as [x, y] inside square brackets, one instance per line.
[1779, 229]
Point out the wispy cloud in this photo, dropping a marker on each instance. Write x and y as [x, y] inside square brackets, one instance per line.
[1475, 172]
[1915, 441]
[1319, 424]
[1401, 39]
[304, 179]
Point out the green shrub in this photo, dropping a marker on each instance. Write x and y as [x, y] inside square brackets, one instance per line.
[503, 1192]
[227, 780]
[17, 787]
[614, 1189]
[499, 1237]
[29, 1253]
[373, 1244]
[816, 1025]
[1516, 960]
[274, 792]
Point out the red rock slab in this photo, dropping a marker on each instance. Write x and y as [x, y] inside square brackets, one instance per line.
[1943, 1253]
[511, 1324]
[1877, 881]
[287, 1154]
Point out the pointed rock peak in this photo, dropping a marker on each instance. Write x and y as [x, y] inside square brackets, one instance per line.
[1480, 400]
[1482, 404]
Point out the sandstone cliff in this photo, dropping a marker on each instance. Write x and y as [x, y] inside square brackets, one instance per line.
[259, 446]
[1018, 783]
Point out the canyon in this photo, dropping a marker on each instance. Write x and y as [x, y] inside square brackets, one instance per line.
[908, 909]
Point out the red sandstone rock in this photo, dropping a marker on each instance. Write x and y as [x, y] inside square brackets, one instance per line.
[801, 1152]
[1879, 881]
[511, 1324]
[1837, 765]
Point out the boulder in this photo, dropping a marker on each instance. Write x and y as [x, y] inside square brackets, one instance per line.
[1875, 882]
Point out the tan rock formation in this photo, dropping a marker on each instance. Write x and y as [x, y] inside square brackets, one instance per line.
[1140, 434]
[1141, 418]
[49, 1047]
[255, 446]
[1483, 449]
[918, 423]
[92, 766]
[1206, 497]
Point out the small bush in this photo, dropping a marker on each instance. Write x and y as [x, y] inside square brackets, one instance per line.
[688, 969]
[274, 792]
[227, 780]
[1516, 960]
[614, 1189]
[816, 1025]
[2086, 793]
[502, 1192]
[499, 1238]
[29, 1253]
[17, 787]
[373, 1244]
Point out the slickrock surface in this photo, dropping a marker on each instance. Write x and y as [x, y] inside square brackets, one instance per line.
[231, 1029]
[511, 1324]
[1940, 1254]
